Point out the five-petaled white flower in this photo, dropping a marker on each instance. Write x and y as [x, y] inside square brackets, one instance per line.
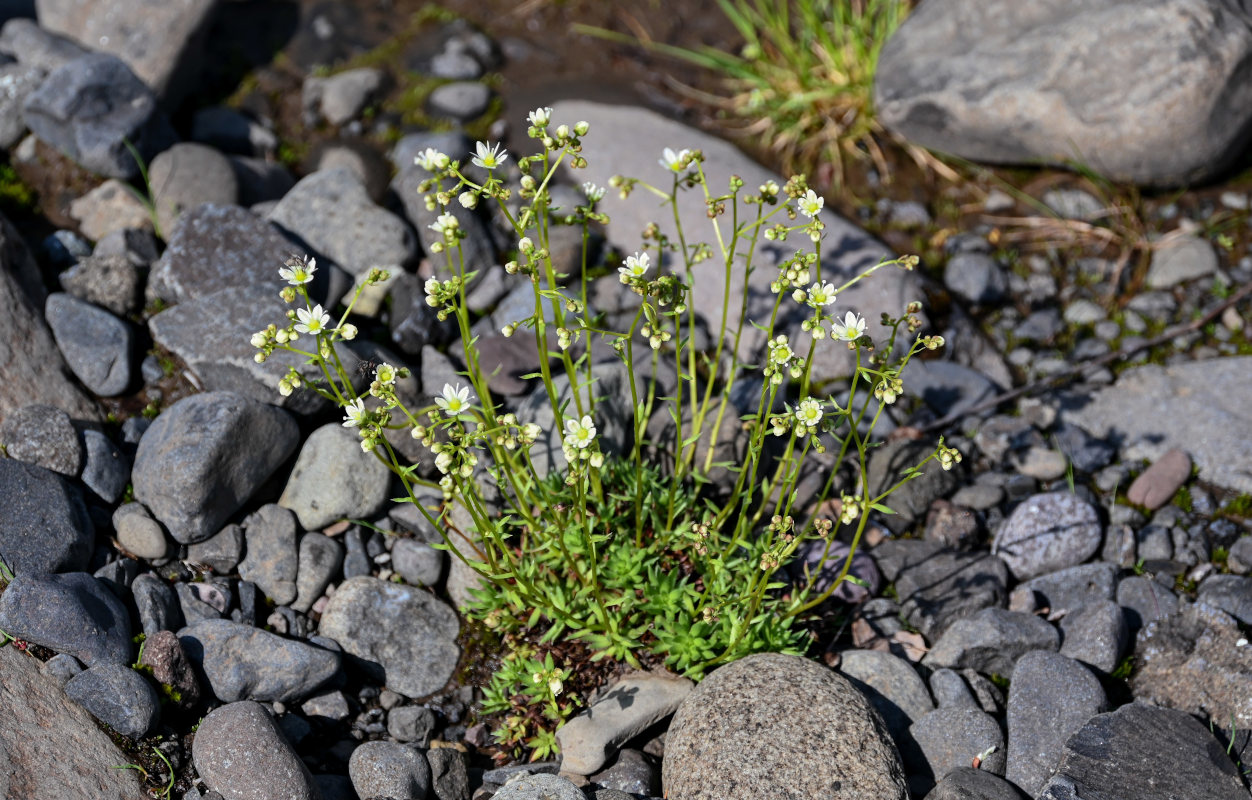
[675, 162]
[540, 116]
[821, 295]
[300, 272]
[811, 205]
[431, 159]
[385, 374]
[780, 352]
[455, 401]
[489, 156]
[580, 433]
[809, 413]
[312, 320]
[593, 193]
[354, 413]
[851, 329]
[636, 266]
[445, 225]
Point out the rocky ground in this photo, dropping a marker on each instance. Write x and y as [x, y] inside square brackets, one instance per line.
[1065, 616]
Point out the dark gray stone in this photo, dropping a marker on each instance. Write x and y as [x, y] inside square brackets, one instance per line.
[767, 721]
[61, 668]
[411, 724]
[321, 558]
[967, 783]
[417, 562]
[976, 278]
[1050, 698]
[239, 748]
[1096, 635]
[117, 696]
[195, 602]
[232, 131]
[1143, 753]
[1068, 590]
[98, 346]
[109, 281]
[273, 559]
[261, 181]
[460, 100]
[947, 387]
[630, 772]
[1048, 532]
[449, 777]
[1144, 600]
[891, 685]
[43, 436]
[106, 470]
[45, 527]
[937, 585]
[334, 479]
[205, 456]
[1230, 593]
[221, 552]
[950, 690]
[911, 501]
[157, 604]
[245, 663]
[71, 613]
[90, 108]
[951, 738]
[991, 641]
[389, 769]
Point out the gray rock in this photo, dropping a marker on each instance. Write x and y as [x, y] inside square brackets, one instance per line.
[1144, 600]
[947, 387]
[990, 83]
[157, 604]
[110, 207]
[1041, 463]
[162, 42]
[201, 602]
[634, 704]
[460, 100]
[332, 215]
[411, 724]
[1143, 753]
[950, 690]
[40, 719]
[239, 750]
[61, 668]
[389, 769]
[45, 527]
[1153, 409]
[951, 738]
[1040, 326]
[630, 772]
[938, 585]
[321, 558]
[139, 533]
[976, 278]
[1072, 589]
[205, 456]
[333, 479]
[455, 66]
[17, 81]
[111, 282]
[91, 108]
[117, 696]
[417, 562]
[232, 131]
[448, 775]
[221, 552]
[1239, 558]
[911, 501]
[272, 560]
[1050, 698]
[36, 46]
[1179, 260]
[1074, 204]
[261, 181]
[98, 346]
[71, 613]
[992, 641]
[240, 662]
[1230, 593]
[891, 685]
[328, 707]
[188, 175]
[166, 661]
[539, 787]
[397, 634]
[107, 469]
[1096, 635]
[628, 140]
[1046, 533]
[967, 783]
[43, 436]
[343, 96]
[764, 722]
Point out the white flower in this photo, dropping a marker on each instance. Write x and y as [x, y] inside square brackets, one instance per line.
[455, 401]
[348, 331]
[780, 352]
[385, 374]
[594, 193]
[468, 200]
[445, 225]
[489, 156]
[299, 273]
[675, 162]
[580, 433]
[636, 266]
[354, 413]
[809, 413]
[811, 204]
[851, 329]
[431, 159]
[821, 295]
[313, 320]
[540, 116]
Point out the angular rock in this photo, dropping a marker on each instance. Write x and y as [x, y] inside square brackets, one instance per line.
[221, 552]
[389, 769]
[911, 501]
[634, 704]
[111, 282]
[232, 131]
[17, 81]
[1179, 260]
[260, 181]
[45, 527]
[539, 787]
[768, 721]
[937, 586]
[320, 560]
[411, 724]
[110, 207]
[947, 387]
[1096, 635]
[98, 346]
[240, 662]
[991, 641]
[71, 613]
[891, 685]
[1050, 698]
[91, 108]
[1048, 532]
[107, 469]
[967, 783]
[272, 559]
[204, 457]
[157, 604]
[189, 175]
[43, 436]
[333, 479]
[1005, 83]
[400, 635]
[35, 46]
[1144, 600]
[449, 777]
[117, 696]
[169, 666]
[1230, 593]
[239, 749]
[1069, 590]
[631, 772]
[951, 738]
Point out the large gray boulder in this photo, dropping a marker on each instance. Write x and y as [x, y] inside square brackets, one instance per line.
[1145, 91]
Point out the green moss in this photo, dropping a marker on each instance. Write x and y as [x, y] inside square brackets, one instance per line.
[15, 196]
[1239, 506]
[1182, 498]
[1122, 671]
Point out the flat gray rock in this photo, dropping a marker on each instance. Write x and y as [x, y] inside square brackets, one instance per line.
[967, 783]
[539, 787]
[273, 559]
[35, 46]
[204, 457]
[118, 696]
[241, 662]
[627, 140]
[106, 470]
[1139, 752]
[401, 635]
[635, 703]
[992, 641]
[239, 750]
[71, 613]
[1191, 406]
[320, 560]
[1046, 533]
[44, 436]
[1012, 84]
[98, 346]
[937, 585]
[334, 479]
[770, 722]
